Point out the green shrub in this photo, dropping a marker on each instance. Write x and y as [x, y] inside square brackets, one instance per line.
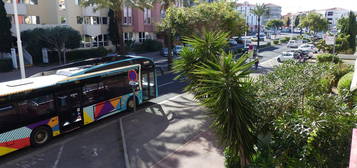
[276, 42]
[340, 70]
[152, 45]
[344, 83]
[5, 65]
[231, 161]
[304, 119]
[268, 44]
[294, 38]
[285, 39]
[322, 58]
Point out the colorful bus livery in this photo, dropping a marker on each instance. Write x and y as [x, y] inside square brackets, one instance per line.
[35, 109]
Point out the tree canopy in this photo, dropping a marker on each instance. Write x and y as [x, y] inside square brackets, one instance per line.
[275, 23]
[57, 38]
[202, 18]
[314, 22]
[5, 33]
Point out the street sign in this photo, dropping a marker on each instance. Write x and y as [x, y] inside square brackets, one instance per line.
[132, 75]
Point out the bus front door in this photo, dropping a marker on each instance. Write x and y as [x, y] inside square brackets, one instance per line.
[69, 108]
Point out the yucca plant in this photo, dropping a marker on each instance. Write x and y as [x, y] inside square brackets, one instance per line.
[222, 84]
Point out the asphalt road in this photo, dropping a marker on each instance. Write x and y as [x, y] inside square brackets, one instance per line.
[96, 145]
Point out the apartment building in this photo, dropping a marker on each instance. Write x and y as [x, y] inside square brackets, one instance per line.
[252, 20]
[92, 25]
[274, 12]
[334, 14]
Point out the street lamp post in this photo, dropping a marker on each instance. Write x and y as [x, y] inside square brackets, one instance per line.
[19, 43]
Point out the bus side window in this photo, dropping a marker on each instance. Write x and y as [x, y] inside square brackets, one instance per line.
[33, 108]
[117, 85]
[90, 93]
[8, 116]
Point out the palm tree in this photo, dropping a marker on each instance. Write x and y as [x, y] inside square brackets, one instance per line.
[259, 11]
[168, 40]
[221, 84]
[117, 7]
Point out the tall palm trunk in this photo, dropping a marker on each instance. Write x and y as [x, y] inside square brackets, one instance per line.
[119, 20]
[258, 45]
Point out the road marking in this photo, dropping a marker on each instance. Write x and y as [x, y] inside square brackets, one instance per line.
[127, 164]
[165, 101]
[168, 83]
[58, 157]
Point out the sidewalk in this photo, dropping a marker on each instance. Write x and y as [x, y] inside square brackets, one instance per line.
[171, 134]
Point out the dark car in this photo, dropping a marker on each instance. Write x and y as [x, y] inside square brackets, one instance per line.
[164, 52]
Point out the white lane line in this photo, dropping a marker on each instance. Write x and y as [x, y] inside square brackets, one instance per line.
[127, 164]
[168, 83]
[58, 157]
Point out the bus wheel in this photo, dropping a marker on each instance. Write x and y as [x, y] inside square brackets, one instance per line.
[40, 136]
[130, 105]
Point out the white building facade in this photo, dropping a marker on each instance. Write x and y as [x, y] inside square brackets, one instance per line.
[252, 20]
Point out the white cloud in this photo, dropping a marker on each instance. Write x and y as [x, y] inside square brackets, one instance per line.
[303, 5]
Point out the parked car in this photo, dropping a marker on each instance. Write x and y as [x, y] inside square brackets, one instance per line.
[178, 49]
[261, 36]
[298, 53]
[293, 44]
[164, 52]
[233, 42]
[285, 56]
[308, 47]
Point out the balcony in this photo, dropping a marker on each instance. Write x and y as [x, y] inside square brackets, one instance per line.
[21, 8]
[89, 11]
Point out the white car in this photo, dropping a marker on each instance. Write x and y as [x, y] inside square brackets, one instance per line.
[292, 44]
[285, 56]
[308, 47]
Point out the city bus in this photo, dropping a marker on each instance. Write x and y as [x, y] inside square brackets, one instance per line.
[65, 98]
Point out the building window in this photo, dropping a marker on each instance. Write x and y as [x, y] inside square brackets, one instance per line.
[144, 36]
[79, 20]
[77, 2]
[104, 20]
[329, 13]
[61, 4]
[128, 36]
[63, 20]
[31, 20]
[147, 16]
[95, 20]
[127, 15]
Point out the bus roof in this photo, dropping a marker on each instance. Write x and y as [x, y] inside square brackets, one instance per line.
[27, 84]
[67, 73]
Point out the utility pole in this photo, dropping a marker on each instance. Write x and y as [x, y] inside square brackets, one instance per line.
[19, 43]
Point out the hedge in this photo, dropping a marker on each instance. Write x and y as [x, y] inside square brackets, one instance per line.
[276, 42]
[321, 58]
[5, 65]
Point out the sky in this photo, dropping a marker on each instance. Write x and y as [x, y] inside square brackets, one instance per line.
[303, 5]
